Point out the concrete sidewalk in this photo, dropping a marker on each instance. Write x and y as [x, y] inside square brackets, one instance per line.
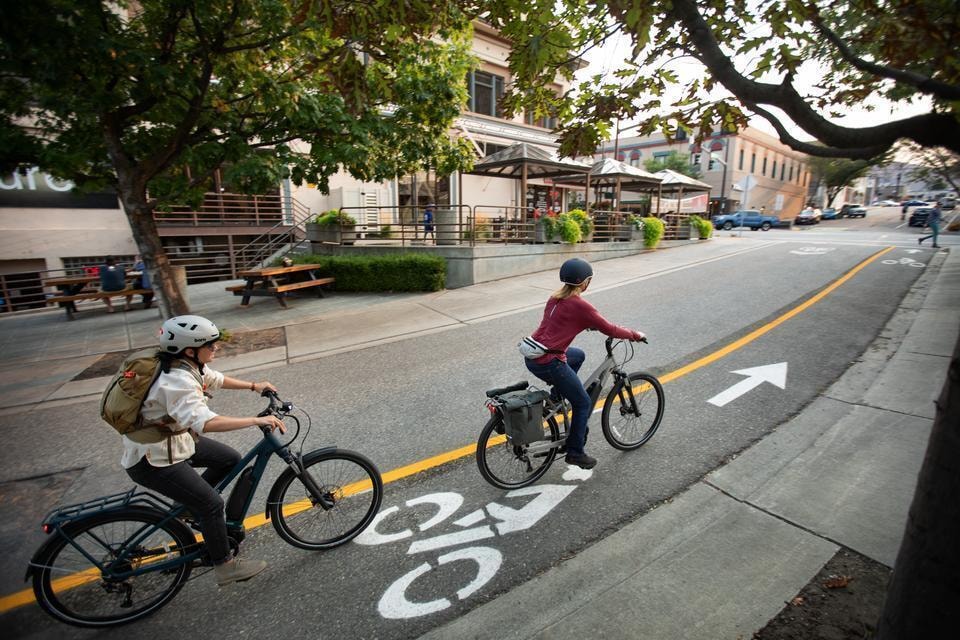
[721, 559]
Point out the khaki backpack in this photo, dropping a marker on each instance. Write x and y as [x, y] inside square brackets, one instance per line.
[123, 398]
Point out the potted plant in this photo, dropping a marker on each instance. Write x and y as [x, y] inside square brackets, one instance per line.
[703, 227]
[568, 229]
[332, 226]
[631, 230]
[653, 230]
[545, 227]
[582, 220]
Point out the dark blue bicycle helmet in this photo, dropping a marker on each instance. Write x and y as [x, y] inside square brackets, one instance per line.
[574, 271]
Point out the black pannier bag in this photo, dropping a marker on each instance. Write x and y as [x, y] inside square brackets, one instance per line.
[523, 415]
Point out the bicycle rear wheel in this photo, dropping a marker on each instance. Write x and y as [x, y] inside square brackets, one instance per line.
[632, 411]
[348, 479]
[72, 589]
[509, 466]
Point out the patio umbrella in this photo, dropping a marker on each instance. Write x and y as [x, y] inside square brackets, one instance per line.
[618, 174]
[676, 182]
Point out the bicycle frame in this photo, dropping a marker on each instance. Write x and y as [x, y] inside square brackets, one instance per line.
[260, 453]
[594, 385]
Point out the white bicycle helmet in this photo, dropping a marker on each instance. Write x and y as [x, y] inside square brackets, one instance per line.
[181, 332]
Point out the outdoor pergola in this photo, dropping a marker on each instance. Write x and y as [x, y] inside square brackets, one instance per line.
[523, 161]
[673, 182]
[619, 175]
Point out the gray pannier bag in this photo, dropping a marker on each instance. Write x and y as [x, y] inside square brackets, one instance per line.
[523, 415]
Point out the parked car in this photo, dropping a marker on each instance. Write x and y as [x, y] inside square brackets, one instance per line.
[808, 216]
[886, 203]
[948, 203]
[745, 218]
[829, 214]
[845, 209]
[918, 218]
[858, 211]
[913, 203]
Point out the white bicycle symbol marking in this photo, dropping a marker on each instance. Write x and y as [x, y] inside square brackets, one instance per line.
[907, 261]
[492, 520]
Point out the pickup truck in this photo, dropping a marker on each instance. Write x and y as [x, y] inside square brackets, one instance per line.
[745, 218]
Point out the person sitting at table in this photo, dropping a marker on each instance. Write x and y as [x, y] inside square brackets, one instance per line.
[113, 278]
[142, 281]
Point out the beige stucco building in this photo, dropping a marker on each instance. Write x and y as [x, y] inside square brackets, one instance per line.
[747, 169]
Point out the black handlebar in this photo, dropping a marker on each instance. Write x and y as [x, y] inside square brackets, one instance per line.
[276, 404]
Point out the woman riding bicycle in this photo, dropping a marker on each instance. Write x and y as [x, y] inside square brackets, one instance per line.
[564, 317]
[178, 400]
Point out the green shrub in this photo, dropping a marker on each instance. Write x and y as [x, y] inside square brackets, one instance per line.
[704, 227]
[333, 217]
[568, 229]
[652, 232]
[583, 221]
[411, 272]
[481, 231]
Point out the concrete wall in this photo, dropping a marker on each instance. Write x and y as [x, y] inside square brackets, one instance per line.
[484, 263]
[53, 234]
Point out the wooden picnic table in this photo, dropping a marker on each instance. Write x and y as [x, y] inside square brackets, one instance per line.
[75, 288]
[278, 282]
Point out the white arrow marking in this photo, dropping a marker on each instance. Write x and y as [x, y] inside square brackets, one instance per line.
[773, 373]
[912, 250]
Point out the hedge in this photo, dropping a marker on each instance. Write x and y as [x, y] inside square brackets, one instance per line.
[413, 272]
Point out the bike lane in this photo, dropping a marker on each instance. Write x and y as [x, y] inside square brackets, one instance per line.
[446, 542]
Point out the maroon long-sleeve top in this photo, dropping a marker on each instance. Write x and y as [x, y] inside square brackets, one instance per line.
[564, 319]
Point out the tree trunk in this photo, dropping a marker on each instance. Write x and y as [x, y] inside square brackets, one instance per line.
[923, 600]
[140, 216]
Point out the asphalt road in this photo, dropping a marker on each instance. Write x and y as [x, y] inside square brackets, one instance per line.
[448, 542]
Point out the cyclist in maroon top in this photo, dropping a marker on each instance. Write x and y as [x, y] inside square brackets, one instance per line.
[564, 317]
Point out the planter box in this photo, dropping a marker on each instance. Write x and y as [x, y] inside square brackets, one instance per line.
[343, 234]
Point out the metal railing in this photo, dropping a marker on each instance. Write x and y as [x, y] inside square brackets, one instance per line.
[230, 209]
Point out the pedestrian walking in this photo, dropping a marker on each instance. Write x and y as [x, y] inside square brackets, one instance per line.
[933, 221]
[428, 223]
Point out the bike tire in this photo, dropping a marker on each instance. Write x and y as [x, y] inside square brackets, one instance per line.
[638, 414]
[347, 478]
[69, 587]
[507, 466]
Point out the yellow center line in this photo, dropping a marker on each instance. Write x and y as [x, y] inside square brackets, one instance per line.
[25, 596]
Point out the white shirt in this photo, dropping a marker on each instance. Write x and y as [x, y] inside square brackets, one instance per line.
[175, 394]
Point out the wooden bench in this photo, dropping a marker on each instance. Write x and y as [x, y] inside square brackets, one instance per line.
[95, 295]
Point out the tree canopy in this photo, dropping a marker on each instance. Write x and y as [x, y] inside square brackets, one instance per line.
[752, 55]
[836, 173]
[150, 97]
[674, 161]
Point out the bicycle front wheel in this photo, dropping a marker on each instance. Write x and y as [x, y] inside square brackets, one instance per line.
[71, 588]
[509, 466]
[347, 479]
[632, 411]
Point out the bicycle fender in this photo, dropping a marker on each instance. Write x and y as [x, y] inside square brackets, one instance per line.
[273, 496]
[66, 531]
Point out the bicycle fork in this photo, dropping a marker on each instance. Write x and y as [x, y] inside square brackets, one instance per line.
[317, 495]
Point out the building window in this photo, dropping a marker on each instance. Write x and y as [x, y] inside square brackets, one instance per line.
[695, 159]
[773, 173]
[681, 135]
[547, 122]
[753, 163]
[783, 169]
[791, 173]
[661, 155]
[740, 164]
[635, 158]
[486, 93]
[763, 171]
[490, 148]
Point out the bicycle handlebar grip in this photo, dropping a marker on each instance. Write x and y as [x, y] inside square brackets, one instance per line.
[644, 340]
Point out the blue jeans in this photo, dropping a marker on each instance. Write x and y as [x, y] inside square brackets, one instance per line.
[563, 376]
[935, 228]
[182, 483]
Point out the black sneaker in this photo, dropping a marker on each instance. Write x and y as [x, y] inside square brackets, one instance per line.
[581, 460]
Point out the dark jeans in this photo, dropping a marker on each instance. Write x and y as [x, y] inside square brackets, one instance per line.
[182, 483]
[563, 376]
[935, 229]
